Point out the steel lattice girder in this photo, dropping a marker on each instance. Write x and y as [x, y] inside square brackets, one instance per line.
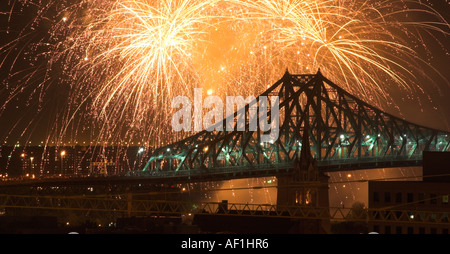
[340, 129]
[126, 204]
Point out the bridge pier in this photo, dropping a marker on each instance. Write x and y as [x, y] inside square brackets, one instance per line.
[307, 189]
[129, 203]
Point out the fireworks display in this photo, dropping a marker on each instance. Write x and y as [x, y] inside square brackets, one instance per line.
[105, 72]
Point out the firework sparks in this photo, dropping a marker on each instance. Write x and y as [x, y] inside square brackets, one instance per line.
[125, 59]
[353, 43]
[130, 58]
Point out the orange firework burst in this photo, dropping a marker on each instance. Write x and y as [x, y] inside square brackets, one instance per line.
[124, 60]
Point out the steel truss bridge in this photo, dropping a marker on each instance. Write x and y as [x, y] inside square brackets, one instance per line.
[317, 117]
[127, 205]
[341, 132]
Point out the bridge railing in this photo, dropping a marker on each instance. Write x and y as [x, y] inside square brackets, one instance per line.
[324, 165]
[250, 169]
[125, 204]
[370, 162]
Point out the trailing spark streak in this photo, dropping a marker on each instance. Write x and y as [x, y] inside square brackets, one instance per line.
[356, 45]
[139, 51]
[126, 59]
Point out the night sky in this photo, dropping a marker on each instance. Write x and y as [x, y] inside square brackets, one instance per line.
[31, 108]
[35, 107]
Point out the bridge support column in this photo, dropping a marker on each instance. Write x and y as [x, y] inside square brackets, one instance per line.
[308, 193]
[129, 204]
[306, 189]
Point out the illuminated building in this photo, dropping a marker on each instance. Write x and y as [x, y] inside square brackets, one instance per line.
[421, 207]
[37, 161]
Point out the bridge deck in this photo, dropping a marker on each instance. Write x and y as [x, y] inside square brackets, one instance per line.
[126, 205]
[216, 174]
